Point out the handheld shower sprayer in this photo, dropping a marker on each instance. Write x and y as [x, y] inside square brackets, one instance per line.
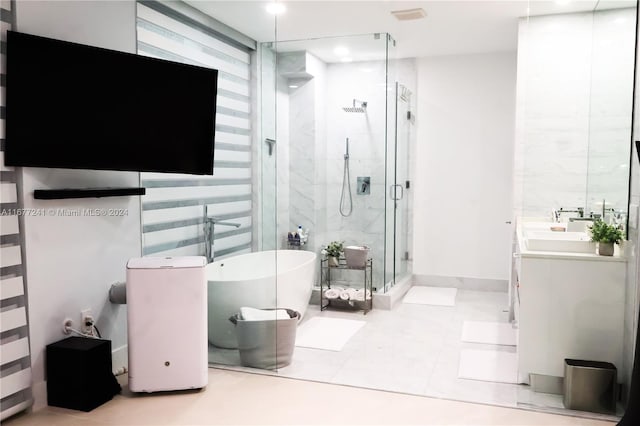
[346, 208]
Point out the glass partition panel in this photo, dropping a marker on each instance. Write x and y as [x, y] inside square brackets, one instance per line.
[404, 128]
[401, 89]
[395, 192]
[573, 140]
[229, 216]
[612, 71]
[331, 141]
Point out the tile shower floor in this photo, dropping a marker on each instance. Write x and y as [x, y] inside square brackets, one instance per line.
[412, 349]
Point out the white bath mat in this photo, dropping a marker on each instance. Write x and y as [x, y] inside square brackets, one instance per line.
[330, 334]
[439, 296]
[493, 333]
[488, 366]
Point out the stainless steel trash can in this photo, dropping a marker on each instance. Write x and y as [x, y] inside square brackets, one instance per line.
[266, 344]
[590, 386]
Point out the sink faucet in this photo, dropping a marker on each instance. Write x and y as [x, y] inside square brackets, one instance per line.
[209, 223]
[557, 213]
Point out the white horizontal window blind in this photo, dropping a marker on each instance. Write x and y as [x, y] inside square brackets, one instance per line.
[173, 208]
[15, 361]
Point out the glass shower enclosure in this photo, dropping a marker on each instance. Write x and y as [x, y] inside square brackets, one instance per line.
[343, 148]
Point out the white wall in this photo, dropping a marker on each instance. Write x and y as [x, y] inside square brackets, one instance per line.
[464, 160]
[72, 261]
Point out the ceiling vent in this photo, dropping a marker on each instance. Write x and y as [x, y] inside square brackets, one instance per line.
[409, 14]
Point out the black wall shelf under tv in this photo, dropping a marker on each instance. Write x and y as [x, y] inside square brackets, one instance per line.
[59, 194]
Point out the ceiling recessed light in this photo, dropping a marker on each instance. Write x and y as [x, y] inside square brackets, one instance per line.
[276, 8]
[341, 51]
[293, 86]
[346, 59]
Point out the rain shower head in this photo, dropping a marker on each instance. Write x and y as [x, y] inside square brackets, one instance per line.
[362, 107]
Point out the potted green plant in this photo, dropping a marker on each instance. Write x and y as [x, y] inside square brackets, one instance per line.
[606, 236]
[333, 250]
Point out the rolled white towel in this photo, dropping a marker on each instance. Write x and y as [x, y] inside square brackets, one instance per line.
[332, 293]
[253, 314]
[352, 292]
[359, 295]
[344, 295]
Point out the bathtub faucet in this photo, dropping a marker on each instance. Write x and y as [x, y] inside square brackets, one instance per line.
[209, 223]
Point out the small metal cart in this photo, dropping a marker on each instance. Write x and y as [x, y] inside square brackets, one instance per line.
[350, 304]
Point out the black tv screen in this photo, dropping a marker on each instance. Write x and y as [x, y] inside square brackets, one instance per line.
[81, 107]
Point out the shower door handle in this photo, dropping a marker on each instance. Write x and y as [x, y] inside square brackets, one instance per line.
[393, 192]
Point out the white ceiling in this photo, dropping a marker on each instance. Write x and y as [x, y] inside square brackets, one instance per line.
[451, 26]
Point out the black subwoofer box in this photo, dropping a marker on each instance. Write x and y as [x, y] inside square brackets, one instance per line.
[79, 373]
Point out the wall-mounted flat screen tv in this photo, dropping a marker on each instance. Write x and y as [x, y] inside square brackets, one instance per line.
[81, 107]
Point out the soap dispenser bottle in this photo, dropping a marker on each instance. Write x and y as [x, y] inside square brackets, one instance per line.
[302, 234]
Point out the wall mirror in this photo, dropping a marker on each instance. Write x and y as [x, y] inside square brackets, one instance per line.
[575, 96]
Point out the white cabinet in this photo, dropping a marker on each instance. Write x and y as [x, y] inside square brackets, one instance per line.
[569, 307]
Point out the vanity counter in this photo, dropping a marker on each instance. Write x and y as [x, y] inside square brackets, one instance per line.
[566, 305]
[523, 251]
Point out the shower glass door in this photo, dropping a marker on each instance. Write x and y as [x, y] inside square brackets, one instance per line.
[398, 185]
[404, 120]
[398, 197]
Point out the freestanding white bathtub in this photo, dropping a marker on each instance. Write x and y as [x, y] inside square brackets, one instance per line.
[251, 280]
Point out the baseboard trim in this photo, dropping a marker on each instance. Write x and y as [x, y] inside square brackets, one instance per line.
[463, 283]
[547, 384]
[39, 391]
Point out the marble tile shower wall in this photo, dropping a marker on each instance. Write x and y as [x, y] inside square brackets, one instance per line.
[306, 145]
[364, 81]
[568, 122]
[311, 150]
[302, 160]
[264, 166]
[282, 191]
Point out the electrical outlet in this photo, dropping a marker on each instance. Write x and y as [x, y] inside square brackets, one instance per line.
[66, 325]
[86, 317]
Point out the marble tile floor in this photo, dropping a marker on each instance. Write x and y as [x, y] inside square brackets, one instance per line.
[239, 398]
[413, 349]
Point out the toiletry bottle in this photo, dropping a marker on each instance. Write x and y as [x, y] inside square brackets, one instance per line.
[303, 235]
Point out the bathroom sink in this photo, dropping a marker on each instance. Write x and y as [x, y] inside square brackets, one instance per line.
[572, 242]
[543, 226]
[551, 235]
